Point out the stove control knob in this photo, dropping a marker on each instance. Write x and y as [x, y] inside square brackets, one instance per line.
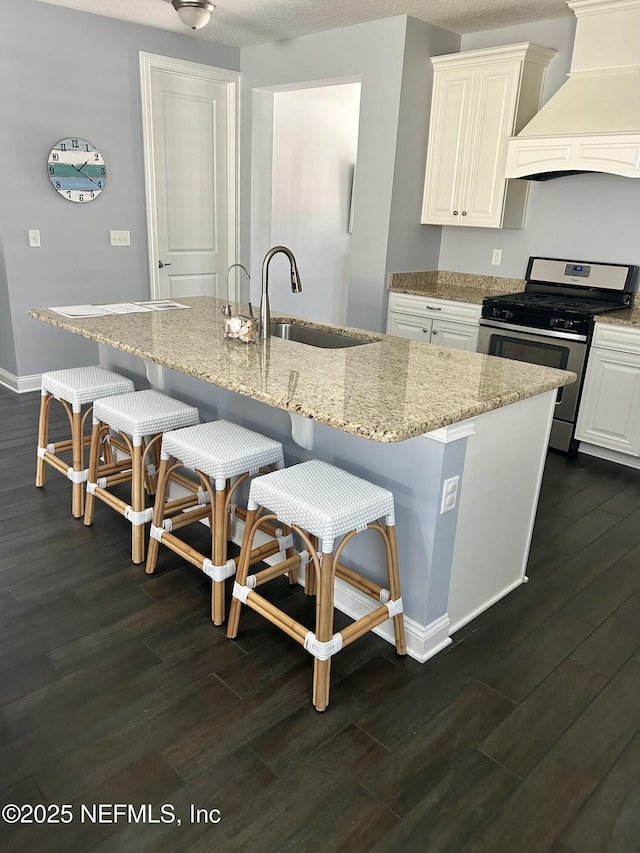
[508, 315]
[568, 324]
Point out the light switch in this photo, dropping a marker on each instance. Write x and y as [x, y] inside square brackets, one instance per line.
[120, 238]
[34, 239]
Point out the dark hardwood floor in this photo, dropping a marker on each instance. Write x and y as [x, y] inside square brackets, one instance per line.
[115, 688]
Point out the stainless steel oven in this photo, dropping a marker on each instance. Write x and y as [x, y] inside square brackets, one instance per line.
[563, 350]
[551, 323]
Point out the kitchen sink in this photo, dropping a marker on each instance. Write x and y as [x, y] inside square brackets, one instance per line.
[316, 337]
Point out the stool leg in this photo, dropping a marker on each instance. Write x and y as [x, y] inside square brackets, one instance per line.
[242, 572]
[43, 433]
[324, 631]
[94, 459]
[162, 489]
[219, 552]
[137, 503]
[310, 571]
[394, 589]
[77, 444]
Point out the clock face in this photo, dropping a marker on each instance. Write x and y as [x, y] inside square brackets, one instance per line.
[77, 170]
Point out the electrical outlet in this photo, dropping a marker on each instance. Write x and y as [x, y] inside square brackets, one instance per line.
[496, 257]
[449, 494]
[34, 239]
[120, 238]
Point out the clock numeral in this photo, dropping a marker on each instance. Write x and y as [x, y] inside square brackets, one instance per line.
[87, 146]
[75, 143]
[99, 184]
[81, 197]
[96, 156]
[63, 147]
[102, 171]
[55, 156]
[58, 186]
[52, 171]
[93, 195]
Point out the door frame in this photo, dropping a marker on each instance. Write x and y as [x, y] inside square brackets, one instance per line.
[150, 62]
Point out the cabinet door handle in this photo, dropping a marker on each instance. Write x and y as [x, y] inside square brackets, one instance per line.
[433, 307]
[455, 212]
[425, 331]
[464, 212]
[435, 332]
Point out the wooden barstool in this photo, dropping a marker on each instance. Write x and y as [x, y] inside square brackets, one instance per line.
[222, 455]
[73, 388]
[140, 419]
[322, 504]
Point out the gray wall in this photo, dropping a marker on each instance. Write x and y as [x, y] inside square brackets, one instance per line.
[375, 53]
[66, 73]
[585, 217]
[411, 245]
[7, 345]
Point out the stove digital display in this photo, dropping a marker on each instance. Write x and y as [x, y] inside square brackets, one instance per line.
[582, 270]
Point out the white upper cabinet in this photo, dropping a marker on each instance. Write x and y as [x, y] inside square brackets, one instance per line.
[480, 99]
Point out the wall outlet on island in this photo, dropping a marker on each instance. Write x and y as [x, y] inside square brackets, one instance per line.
[496, 257]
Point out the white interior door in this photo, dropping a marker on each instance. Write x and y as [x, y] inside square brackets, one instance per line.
[191, 175]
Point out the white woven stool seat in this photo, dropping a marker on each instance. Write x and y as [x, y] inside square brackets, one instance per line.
[222, 450]
[322, 499]
[80, 385]
[144, 413]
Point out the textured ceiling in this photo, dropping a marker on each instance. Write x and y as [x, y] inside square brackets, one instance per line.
[247, 22]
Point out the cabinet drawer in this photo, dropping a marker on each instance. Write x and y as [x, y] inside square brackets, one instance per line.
[425, 306]
[621, 338]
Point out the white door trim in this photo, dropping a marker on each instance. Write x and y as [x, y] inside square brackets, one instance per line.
[148, 63]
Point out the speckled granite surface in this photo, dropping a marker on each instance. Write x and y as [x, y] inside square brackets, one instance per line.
[461, 287]
[624, 317]
[389, 390]
[466, 287]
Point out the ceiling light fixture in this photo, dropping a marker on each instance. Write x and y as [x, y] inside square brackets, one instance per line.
[194, 13]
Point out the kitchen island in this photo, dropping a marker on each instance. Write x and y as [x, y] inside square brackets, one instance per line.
[459, 438]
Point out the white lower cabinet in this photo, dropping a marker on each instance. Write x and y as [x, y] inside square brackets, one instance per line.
[452, 334]
[435, 321]
[610, 407]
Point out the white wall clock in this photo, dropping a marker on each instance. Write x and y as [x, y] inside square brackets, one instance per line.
[77, 169]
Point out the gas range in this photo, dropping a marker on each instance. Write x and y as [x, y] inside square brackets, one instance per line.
[551, 323]
[563, 296]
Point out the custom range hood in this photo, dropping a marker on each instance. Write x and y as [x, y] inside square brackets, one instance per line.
[592, 124]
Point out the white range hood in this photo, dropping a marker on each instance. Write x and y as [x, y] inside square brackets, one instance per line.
[592, 124]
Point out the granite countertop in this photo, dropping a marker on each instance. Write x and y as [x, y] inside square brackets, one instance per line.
[466, 287]
[457, 286]
[623, 317]
[389, 390]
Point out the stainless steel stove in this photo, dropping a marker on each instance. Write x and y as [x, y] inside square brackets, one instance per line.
[551, 323]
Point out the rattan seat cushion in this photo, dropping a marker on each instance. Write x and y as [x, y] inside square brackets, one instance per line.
[221, 449]
[322, 499]
[80, 385]
[144, 413]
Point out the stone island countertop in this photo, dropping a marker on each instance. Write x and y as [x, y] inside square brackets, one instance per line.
[389, 390]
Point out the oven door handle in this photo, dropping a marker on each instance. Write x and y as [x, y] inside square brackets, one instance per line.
[531, 330]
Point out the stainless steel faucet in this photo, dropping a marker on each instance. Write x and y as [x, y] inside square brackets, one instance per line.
[226, 309]
[296, 286]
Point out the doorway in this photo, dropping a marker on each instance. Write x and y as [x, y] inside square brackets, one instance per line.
[302, 191]
[191, 174]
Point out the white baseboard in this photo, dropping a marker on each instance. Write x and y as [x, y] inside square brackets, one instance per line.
[423, 641]
[20, 384]
[487, 604]
[609, 455]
